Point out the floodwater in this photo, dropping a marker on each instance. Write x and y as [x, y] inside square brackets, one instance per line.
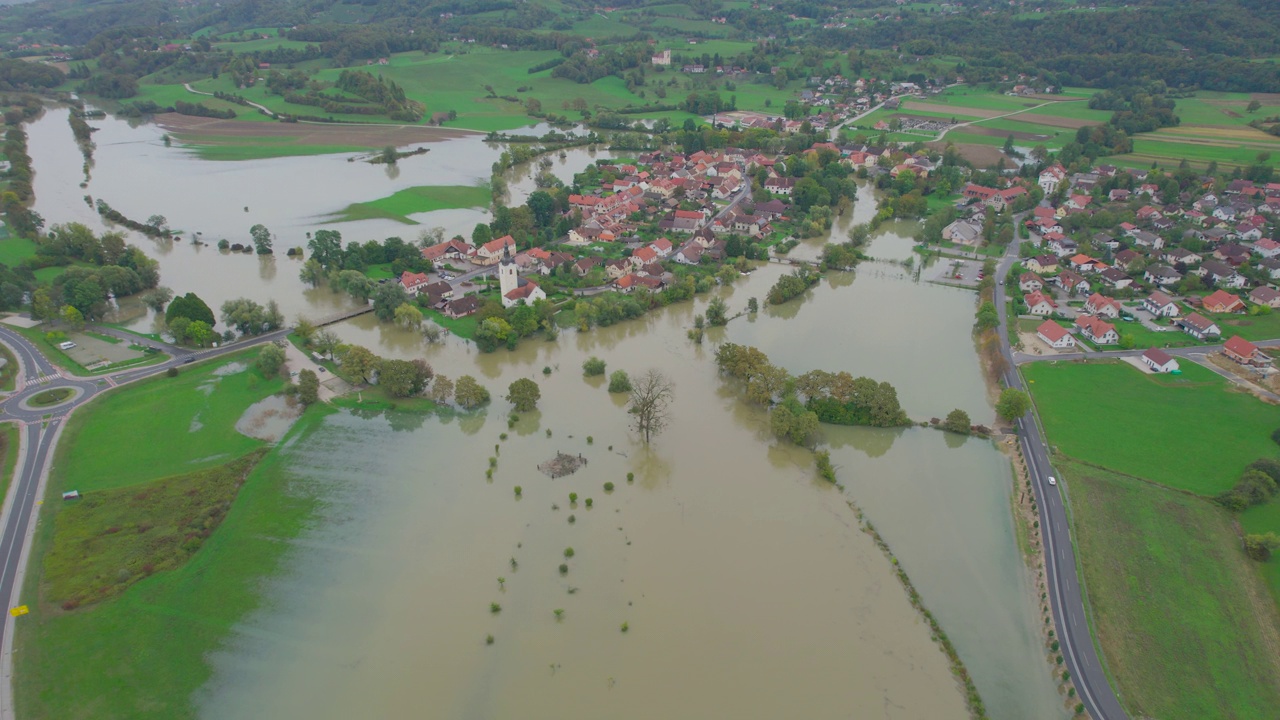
[136, 174]
[747, 588]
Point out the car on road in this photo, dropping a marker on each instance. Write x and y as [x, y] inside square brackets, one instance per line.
[188, 361]
[1053, 480]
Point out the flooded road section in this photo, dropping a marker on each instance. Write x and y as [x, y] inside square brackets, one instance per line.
[746, 587]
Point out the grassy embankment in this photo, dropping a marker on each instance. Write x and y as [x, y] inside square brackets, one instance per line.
[9, 371]
[1184, 619]
[141, 652]
[9, 446]
[419, 199]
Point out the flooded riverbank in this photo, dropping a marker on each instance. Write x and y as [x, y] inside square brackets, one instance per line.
[745, 584]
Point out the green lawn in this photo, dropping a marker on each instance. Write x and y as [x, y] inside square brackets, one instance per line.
[1250, 327]
[462, 327]
[143, 654]
[58, 357]
[1191, 431]
[1262, 519]
[423, 198]
[188, 423]
[1178, 609]
[13, 250]
[1144, 337]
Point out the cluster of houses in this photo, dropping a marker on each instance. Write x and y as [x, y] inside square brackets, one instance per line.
[1224, 240]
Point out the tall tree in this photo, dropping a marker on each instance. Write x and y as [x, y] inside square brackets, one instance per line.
[261, 238]
[651, 396]
[524, 394]
[1013, 404]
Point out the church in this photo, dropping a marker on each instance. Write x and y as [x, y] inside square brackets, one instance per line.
[514, 288]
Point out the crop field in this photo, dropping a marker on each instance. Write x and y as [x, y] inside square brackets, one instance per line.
[1191, 432]
[1187, 627]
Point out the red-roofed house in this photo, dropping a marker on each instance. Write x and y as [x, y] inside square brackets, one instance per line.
[1102, 306]
[643, 256]
[1099, 331]
[491, 252]
[1221, 301]
[1159, 361]
[1244, 352]
[1055, 335]
[1199, 326]
[414, 282]
[454, 248]
[1039, 304]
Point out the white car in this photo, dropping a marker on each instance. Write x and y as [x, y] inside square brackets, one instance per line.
[1053, 480]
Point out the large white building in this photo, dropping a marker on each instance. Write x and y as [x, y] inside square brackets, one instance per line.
[515, 289]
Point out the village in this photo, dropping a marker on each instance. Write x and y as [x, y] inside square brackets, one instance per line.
[1114, 258]
[643, 226]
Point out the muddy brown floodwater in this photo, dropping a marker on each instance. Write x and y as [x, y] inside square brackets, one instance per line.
[747, 589]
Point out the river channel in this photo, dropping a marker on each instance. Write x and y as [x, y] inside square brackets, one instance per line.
[745, 584]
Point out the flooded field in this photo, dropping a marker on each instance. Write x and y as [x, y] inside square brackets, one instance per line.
[745, 585]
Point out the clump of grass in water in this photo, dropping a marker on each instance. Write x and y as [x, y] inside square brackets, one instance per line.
[488, 639]
[564, 569]
[568, 552]
[608, 487]
[625, 627]
[519, 491]
[495, 608]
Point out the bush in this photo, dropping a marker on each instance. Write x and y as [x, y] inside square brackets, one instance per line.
[593, 366]
[568, 552]
[957, 422]
[619, 382]
[564, 569]
[1275, 436]
[171, 372]
[608, 487]
[1254, 487]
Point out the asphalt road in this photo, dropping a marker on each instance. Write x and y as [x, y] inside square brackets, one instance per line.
[1065, 595]
[40, 433]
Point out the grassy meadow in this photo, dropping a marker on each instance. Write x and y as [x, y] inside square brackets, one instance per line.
[184, 458]
[1191, 432]
[420, 199]
[1187, 630]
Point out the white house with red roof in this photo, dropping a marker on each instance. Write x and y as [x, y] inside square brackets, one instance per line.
[1039, 304]
[1159, 361]
[414, 282]
[1055, 336]
[1102, 306]
[1051, 177]
[492, 252]
[1099, 331]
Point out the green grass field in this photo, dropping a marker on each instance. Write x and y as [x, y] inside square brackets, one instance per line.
[188, 423]
[1262, 519]
[13, 250]
[1182, 618]
[420, 199]
[1190, 432]
[70, 663]
[1250, 327]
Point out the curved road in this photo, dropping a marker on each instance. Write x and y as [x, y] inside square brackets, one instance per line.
[41, 429]
[1065, 593]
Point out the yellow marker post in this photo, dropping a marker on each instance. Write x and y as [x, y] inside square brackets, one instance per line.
[20, 610]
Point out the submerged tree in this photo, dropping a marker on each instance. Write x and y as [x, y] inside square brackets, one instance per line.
[650, 404]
